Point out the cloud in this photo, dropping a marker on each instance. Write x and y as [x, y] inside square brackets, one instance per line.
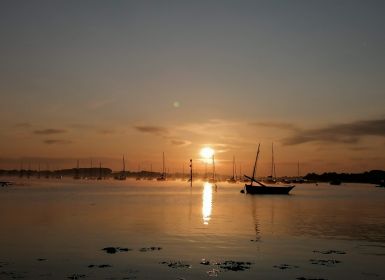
[156, 130]
[279, 125]
[178, 142]
[49, 131]
[349, 133]
[23, 125]
[211, 126]
[56, 141]
[106, 131]
[82, 126]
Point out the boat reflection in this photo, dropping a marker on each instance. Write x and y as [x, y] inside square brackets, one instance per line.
[207, 202]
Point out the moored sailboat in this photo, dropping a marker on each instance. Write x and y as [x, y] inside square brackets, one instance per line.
[122, 176]
[233, 179]
[261, 188]
[213, 179]
[163, 175]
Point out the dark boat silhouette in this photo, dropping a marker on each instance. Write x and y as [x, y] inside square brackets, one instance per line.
[122, 175]
[5, 183]
[381, 185]
[213, 179]
[163, 175]
[261, 188]
[77, 171]
[233, 179]
[335, 182]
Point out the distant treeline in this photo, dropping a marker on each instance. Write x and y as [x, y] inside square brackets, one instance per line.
[84, 172]
[72, 172]
[373, 177]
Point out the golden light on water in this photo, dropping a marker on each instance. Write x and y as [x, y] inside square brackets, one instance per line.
[207, 202]
[206, 154]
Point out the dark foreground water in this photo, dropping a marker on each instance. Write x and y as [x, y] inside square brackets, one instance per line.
[57, 230]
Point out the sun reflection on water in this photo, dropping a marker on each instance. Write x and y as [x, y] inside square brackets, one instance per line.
[207, 202]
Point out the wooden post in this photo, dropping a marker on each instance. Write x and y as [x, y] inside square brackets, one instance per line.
[191, 172]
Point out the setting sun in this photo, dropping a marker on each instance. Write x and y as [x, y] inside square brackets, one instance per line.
[207, 153]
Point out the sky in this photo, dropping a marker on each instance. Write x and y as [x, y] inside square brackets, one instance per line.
[96, 80]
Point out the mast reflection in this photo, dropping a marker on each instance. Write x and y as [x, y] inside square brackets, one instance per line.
[207, 203]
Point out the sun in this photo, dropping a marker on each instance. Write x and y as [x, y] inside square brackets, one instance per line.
[207, 153]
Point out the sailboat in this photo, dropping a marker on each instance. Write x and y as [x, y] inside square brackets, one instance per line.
[163, 175]
[77, 171]
[213, 179]
[122, 175]
[299, 179]
[261, 188]
[272, 178]
[138, 175]
[100, 172]
[233, 179]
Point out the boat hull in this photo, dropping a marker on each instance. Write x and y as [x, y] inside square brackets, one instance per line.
[250, 189]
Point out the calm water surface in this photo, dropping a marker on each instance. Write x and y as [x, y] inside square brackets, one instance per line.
[67, 223]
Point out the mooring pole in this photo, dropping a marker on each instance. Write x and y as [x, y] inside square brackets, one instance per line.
[191, 172]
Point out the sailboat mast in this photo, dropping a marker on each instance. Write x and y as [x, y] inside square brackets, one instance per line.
[255, 165]
[213, 168]
[298, 169]
[233, 167]
[163, 169]
[124, 165]
[240, 171]
[272, 160]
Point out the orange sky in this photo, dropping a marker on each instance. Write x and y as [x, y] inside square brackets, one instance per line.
[138, 79]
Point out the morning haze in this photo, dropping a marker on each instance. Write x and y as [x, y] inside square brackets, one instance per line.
[176, 139]
[100, 79]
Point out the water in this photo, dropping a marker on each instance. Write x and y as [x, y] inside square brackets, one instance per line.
[67, 223]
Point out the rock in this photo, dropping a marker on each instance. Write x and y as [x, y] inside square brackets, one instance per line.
[99, 266]
[76, 276]
[285, 266]
[104, 265]
[328, 252]
[324, 262]
[304, 278]
[235, 265]
[205, 262]
[146, 249]
[176, 264]
[114, 250]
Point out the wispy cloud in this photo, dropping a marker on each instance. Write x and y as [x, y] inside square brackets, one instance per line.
[156, 130]
[179, 142]
[279, 125]
[82, 126]
[339, 133]
[211, 126]
[50, 131]
[23, 125]
[106, 131]
[56, 141]
[164, 133]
